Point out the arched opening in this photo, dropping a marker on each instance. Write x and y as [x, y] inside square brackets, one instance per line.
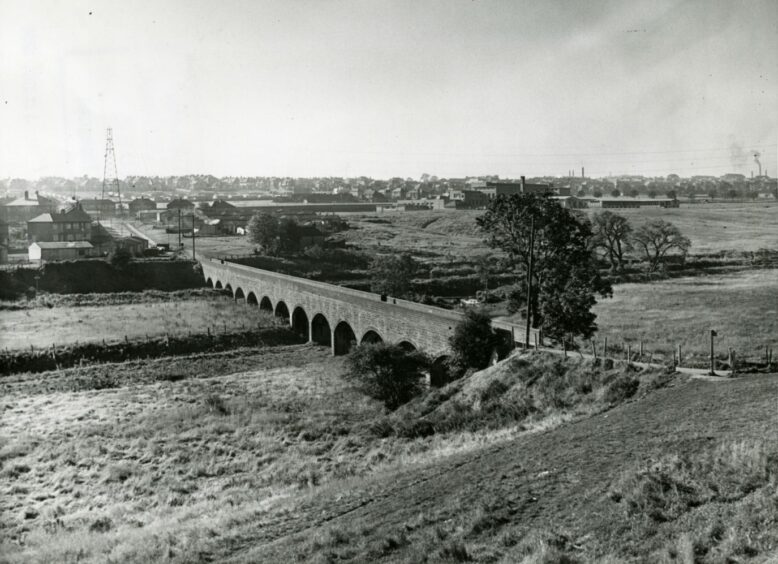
[228, 288]
[282, 311]
[407, 346]
[300, 322]
[251, 299]
[239, 295]
[266, 305]
[345, 338]
[218, 285]
[439, 375]
[505, 343]
[321, 334]
[209, 283]
[371, 337]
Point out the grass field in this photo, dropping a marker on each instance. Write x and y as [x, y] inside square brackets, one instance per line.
[718, 227]
[742, 308]
[44, 327]
[271, 456]
[711, 228]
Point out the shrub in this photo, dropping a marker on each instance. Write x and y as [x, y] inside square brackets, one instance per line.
[473, 341]
[120, 258]
[387, 372]
[215, 404]
[622, 388]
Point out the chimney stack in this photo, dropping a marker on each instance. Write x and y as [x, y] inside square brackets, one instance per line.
[522, 185]
[26, 194]
[582, 172]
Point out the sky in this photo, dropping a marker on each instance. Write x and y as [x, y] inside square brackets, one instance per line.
[388, 88]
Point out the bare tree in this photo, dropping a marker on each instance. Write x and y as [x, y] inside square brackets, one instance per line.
[610, 232]
[657, 238]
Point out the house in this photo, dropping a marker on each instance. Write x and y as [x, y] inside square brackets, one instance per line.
[180, 204]
[474, 199]
[73, 224]
[221, 205]
[99, 207]
[23, 209]
[141, 204]
[63, 250]
[135, 245]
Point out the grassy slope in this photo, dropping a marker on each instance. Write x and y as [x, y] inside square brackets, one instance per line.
[546, 493]
[742, 307]
[43, 327]
[269, 455]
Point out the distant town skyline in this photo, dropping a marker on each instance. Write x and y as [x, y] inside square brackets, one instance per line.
[305, 88]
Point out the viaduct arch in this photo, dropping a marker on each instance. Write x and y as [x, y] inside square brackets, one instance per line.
[332, 315]
[340, 317]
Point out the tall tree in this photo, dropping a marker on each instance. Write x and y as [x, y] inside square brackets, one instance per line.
[565, 278]
[611, 234]
[288, 235]
[263, 230]
[392, 275]
[657, 238]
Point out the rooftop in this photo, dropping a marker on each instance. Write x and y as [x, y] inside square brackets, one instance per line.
[62, 245]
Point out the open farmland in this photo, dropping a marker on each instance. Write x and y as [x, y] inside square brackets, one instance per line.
[43, 327]
[742, 308]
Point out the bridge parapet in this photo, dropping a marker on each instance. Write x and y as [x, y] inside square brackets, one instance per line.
[338, 316]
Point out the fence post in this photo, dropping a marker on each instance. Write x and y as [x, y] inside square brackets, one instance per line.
[594, 349]
[679, 355]
[605, 348]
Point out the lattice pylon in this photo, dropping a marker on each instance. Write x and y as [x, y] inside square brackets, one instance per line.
[110, 173]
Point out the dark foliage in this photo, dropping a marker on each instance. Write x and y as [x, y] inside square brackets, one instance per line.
[387, 372]
[473, 341]
[565, 275]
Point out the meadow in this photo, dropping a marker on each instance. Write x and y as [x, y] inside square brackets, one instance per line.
[742, 308]
[270, 455]
[43, 326]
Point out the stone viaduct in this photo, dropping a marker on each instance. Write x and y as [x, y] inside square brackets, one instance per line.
[340, 317]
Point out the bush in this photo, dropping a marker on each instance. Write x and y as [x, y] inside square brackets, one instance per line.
[120, 258]
[387, 372]
[622, 388]
[473, 341]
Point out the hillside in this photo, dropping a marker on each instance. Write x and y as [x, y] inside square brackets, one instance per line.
[269, 455]
[555, 493]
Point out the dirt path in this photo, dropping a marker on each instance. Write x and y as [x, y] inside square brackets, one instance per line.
[556, 479]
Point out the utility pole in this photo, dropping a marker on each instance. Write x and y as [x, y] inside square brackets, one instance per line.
[193, 238]
[529, 281]
[712, 357]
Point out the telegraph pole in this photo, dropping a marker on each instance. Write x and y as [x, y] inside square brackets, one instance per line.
[193, 238]
[529, 281]
[712, 357]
